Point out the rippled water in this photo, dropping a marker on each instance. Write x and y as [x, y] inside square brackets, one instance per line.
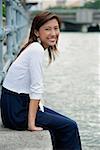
[72, 84]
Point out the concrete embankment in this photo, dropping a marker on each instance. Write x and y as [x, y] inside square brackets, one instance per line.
[24, 140]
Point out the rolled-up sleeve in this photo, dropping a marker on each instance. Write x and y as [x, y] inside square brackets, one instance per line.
[36, 73]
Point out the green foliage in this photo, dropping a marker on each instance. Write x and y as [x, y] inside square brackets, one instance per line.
[94, 4]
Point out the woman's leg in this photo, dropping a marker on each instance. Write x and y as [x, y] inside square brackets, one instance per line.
[64, 131]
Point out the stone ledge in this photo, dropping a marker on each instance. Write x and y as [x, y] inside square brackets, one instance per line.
[24, 140]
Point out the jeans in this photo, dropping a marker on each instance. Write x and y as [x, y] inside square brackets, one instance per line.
[64, 131]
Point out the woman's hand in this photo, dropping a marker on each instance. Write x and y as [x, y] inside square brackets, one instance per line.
[34, 128]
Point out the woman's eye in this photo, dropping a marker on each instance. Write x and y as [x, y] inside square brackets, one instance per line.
[48, 29]
[56, 28]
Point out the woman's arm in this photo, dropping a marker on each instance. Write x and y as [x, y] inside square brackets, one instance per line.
[33, 107]
[36, 83]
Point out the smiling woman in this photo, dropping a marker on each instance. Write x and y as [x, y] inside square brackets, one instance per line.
[21, 107]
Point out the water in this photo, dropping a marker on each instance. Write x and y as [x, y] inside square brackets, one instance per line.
[72, 84]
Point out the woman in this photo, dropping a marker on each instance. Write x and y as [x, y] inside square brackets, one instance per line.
[21, 107]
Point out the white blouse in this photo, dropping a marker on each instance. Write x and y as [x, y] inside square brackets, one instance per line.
[25, 75]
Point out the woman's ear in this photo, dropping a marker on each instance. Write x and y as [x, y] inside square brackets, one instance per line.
[36, 33]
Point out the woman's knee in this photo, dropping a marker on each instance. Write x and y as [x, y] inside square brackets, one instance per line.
[71, 124]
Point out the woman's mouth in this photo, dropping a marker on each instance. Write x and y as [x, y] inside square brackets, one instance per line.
[52, 40]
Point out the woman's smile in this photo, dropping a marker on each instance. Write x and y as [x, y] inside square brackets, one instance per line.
[53, 40]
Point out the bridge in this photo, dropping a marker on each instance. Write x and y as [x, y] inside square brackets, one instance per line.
[78, 19]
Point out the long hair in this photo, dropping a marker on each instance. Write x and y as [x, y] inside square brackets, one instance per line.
[38, 21]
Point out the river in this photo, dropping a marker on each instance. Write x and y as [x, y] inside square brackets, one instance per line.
[72, 84]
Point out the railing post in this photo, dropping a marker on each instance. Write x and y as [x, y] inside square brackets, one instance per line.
[1, 42]
[18, 23]
[9, 22]
[14, 33]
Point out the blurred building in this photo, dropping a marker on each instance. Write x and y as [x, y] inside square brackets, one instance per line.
[43, 4]
[75, 3]
[40, 4]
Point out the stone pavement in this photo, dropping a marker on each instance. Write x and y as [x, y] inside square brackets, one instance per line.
[24, 140]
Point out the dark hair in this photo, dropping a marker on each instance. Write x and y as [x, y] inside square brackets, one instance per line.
[38, 21]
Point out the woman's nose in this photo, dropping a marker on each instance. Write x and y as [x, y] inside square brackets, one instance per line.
[53, 32]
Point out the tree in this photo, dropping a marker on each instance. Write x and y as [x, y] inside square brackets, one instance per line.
[95, 4]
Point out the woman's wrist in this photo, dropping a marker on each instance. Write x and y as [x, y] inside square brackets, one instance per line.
[32, 127]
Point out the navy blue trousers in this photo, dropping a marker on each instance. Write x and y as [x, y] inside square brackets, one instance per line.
[14, 112]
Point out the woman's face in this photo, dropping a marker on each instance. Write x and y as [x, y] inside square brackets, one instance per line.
[49, 33]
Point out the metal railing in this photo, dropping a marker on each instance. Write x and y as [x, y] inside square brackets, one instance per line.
[13, 32]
